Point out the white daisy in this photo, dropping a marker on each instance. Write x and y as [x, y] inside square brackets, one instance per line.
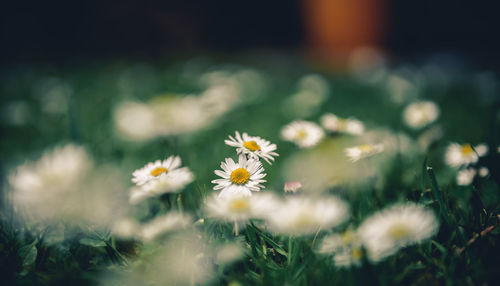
[362, 151]
[335, 124]
[420, 114]
[239, 207]
[239, 178]
[303, 133]
[165, 223]
[254, 146]
[40, 186]
[462, 155]
[154, 170]
[302, 216]
[345, 247]
[387, 231]
[466, 176]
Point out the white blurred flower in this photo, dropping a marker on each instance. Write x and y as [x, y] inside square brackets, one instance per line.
[292, 187]
[126, 228]
[239, 178]
[313, 90]
[61, 187]
[303, 215]
[183, 259]
[36, 185]
[466, 176]
[240, 208]
[462, 155]
[163, 224]
[254, 146]
[135, 121]
[420, 114]
[389, 230]
[303, 133]
[345, 247]
[362, 151]
[335, 124]
[483, 172]
[228, 253]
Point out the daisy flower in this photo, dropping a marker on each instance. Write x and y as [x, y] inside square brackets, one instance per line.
[160, 177]
[362, 151]
[239, 178]
[240, 208]
[302, 216]
[420, 114]
[389, 230]
[303, 133]
[154, 170]
[40, 187]
[163, 224]
[345, 247]
[466, 176]
[462, 155]
[254, 146]
[335, 124]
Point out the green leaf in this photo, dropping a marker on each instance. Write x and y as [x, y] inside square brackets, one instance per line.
[93, 242]
[439, 246]
[28, 254]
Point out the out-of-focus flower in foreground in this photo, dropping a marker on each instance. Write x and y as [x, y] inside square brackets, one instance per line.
[303, 133]
[254, 146]
[304, 215]
[239, 178]
[165, 223]
[420, 114]
[387, 231]
[362, 151]
[458, 155]
[345, 247]
[240, 208]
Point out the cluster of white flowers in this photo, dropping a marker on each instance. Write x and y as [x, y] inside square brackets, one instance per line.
[160, 177]
[381, 235]
[465, 158]
[235, 202]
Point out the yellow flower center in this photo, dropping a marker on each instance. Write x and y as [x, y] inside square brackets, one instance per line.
[398, 231]
[239, 205]
[467, 149]
[365, 148]
[240, 176]
[357, 253]
[304, 220]
[348, 236]
[158, 171]
[301, 134]
[251, 145]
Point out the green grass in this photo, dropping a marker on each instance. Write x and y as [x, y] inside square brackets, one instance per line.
[449, 258]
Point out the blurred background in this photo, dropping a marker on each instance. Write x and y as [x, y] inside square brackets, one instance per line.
[58, 31]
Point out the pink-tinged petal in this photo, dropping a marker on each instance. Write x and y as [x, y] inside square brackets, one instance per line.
[292, 186]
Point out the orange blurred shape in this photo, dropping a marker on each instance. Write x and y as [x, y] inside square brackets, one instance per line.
[335, 28]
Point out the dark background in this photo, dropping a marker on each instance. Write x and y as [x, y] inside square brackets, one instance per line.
[74, 30]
